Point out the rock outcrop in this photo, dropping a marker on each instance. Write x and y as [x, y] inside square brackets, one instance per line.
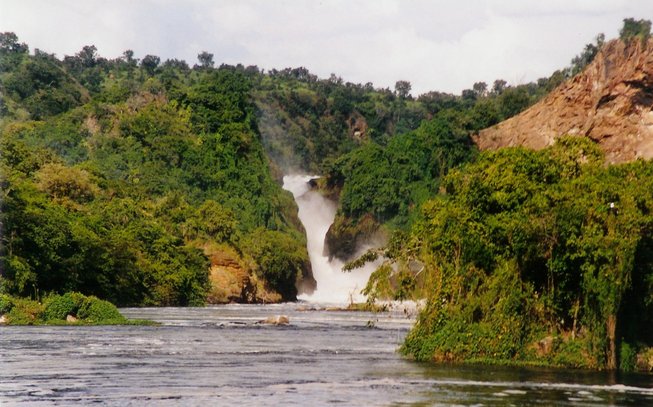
[357, 126]
[347, 237]
[611, 102]
[232, 280]
[276, 320]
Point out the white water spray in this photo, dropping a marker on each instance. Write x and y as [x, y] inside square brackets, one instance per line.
[316, 214]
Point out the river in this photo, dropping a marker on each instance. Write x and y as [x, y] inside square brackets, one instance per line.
[220, 355]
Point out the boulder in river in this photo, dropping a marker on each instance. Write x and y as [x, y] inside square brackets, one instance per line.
[276, 320]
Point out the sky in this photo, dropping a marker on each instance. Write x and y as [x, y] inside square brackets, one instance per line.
[436, 45]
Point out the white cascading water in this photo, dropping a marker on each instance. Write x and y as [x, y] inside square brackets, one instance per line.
[316, 214]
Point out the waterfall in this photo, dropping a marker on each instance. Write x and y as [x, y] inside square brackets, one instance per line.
[317, 214]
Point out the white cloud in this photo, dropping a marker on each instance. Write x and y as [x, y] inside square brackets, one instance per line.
[437, 45]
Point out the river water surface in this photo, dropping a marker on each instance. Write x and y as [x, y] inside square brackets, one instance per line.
[221, 356]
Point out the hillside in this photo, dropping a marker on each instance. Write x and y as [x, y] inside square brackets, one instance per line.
[144, 183]
[153, 182]
[610, 102]
[537, 251]
[382, 152]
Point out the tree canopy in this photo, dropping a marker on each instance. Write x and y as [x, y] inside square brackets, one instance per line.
[117, 177]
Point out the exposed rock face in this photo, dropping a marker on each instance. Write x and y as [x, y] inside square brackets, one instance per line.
[232, 280]
[346, 236]
[357, 126]
[610, 102]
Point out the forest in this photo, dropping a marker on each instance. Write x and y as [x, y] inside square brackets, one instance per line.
[121, 180]
[535, 256]
[131, 179]
[127, 179]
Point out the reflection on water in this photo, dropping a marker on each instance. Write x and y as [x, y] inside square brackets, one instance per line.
[220, 355]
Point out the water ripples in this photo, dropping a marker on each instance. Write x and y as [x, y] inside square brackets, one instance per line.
[222, 355]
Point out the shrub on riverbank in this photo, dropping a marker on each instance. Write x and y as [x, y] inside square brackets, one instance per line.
[69, 308]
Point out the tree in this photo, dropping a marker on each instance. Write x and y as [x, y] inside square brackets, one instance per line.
[587, 56]
[335, 79]
[480, 88]
[215, 221]
[11, 53]
[150, 63]
[205, 59]
[9, 43]
[468, 94]
[635, 29]
[128, 56]
[88, 56]
[600, 40]
[402, 89]
[499, 86]
[436, 101]
[62, 182]
[174, 63]
[513, 100]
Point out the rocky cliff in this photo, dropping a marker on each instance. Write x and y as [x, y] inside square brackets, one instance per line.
[611, 102]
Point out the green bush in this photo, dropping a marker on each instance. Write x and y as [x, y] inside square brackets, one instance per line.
[281, 258]
[635, 29]
[571, 354]
[5, 303]
[60, 306]
[18, 317]
[55, 308]
[24, 312]
[628, 357]
[96, 310]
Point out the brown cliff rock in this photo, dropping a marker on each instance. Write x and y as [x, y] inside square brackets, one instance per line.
[232, 280]
[357, 126]
[611, 102]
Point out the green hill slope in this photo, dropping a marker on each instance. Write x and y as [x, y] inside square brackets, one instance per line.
[130, 181]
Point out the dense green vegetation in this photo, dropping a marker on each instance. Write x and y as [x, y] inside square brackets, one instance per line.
[307, 122]
[121, 178]
[383, 152]
[532, 257]
[382, 181]
[116, 175]
[527, 257]
[69, 308]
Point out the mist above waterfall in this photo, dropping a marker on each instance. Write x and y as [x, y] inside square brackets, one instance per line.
[317, 214]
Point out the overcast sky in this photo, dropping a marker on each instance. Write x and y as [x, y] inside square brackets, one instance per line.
[436, 45]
